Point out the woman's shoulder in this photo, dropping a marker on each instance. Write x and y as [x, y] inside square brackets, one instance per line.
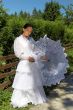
[18, 39]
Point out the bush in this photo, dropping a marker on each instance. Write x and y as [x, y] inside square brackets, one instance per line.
[9, 32]
[68, 36]
[38, 28]
[55, 30]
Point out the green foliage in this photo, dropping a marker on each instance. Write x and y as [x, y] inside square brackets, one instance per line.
[3, 17]
[55, 30]
[70, 59]
[5, 97]
[37, 13]
[9, 32]
[24, 14]
[38, 28]
[54, 26]
[69, 14]
[68, 36]
[16, 23]
[52, 11]
[6, 40]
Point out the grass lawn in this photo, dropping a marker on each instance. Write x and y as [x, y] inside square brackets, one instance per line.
[5, 101]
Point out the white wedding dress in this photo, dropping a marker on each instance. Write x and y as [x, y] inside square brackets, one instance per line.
[27, 82]
[31, 77]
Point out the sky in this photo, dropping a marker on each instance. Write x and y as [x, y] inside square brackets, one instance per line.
[28, 5]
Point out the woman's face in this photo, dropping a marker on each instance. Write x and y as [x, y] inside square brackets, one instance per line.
[27, 32]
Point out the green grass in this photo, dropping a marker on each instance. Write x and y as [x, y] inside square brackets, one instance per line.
[70, 52]
[5, 96]
[70, 59]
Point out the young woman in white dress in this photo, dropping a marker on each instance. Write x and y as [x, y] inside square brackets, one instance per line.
[27, 85]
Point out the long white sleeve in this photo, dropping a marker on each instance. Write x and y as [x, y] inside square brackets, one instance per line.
[22, 52]
[19, 50]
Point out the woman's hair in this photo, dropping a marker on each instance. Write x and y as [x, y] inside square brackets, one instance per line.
[27, 25]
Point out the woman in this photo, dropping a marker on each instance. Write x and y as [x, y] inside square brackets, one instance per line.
[27, 82]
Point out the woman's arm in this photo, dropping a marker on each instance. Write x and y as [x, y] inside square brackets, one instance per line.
[20, 52]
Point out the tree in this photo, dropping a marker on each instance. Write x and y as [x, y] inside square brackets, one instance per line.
[15, 14]
[3, 16]
[24, 14]
[52, 11]
[36, 13]
[68, 14]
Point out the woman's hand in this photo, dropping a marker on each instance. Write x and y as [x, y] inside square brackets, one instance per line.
[31, 59]
[44, 58]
